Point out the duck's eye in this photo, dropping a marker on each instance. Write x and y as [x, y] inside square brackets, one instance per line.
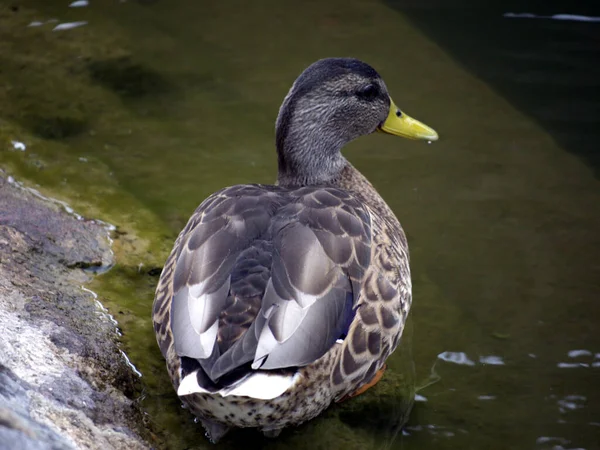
[368, 92]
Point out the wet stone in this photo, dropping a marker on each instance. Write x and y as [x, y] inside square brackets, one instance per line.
[63, 380]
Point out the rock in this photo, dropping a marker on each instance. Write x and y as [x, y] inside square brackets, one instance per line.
[64, 382]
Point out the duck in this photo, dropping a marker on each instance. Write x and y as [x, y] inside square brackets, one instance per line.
[277, 301]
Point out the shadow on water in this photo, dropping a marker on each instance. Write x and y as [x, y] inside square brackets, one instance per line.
[127, 78]
[549, 69]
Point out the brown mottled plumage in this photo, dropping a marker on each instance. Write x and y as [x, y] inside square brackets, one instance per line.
[307, 281]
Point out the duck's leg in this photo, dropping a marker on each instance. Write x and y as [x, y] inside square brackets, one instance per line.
[273, 433]
[376, 378]
[214, 430]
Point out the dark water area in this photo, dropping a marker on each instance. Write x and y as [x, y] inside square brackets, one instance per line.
[135, 111]
[548, 69]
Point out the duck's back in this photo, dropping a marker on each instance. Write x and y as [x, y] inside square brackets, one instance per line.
[262, 277]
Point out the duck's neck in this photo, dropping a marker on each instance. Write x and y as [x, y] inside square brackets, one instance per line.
[308, 144]
[309, 157]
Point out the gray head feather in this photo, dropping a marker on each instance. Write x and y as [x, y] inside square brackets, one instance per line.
[333, 102]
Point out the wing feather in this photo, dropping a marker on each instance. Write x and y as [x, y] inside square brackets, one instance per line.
[268, 276]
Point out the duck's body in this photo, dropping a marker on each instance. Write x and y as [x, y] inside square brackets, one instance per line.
[277, 300]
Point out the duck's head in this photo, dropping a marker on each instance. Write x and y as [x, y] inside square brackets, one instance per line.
[333, 102]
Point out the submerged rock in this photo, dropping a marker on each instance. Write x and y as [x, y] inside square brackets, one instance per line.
[64, 382]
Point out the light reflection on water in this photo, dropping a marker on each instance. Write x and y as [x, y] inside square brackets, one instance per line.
[68, 25]
[501, 223]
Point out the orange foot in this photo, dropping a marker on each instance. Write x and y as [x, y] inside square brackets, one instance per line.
[376, 378]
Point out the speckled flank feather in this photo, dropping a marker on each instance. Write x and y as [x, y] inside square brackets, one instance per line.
[385, 296]
[308, 279]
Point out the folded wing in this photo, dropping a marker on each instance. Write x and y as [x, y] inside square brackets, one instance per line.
[268, 278]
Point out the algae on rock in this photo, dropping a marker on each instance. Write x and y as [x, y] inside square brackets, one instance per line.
[65, 381]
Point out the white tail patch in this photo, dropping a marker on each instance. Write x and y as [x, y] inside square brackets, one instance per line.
[262, 385]
[189, 385]
[259, 385]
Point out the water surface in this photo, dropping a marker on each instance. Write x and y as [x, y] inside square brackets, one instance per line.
[144, 108]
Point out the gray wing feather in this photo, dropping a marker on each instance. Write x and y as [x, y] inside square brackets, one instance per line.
[194, 321]
[268, 276]
[223, 229]
[187, 342]
[318, 327]
[306, 305]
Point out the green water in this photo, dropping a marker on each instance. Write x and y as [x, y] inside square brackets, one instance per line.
[138, 115]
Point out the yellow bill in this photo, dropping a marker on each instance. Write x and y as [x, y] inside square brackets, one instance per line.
[401, 124]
